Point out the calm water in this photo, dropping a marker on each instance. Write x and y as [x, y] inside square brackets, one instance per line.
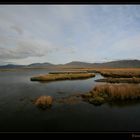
[17, 113]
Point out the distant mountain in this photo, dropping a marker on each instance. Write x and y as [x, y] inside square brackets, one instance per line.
[112, 64]
[78, 64]
[119, 64]
[10, 66]
[40, 65]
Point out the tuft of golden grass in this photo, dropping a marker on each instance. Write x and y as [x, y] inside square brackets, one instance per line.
[43, 102]
[54, 77]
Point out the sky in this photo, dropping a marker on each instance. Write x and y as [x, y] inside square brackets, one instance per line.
[63, 33]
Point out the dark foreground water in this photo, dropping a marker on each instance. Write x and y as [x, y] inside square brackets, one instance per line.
[17, 113]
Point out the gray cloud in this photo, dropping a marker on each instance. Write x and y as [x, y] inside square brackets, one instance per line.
[64, 33]
[26, 48]
[17, 29]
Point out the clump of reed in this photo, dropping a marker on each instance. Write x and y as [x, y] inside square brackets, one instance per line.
[43, 102]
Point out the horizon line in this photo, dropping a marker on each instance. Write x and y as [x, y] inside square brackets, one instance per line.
[103, 61]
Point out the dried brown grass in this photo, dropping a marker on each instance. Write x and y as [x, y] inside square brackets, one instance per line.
[118, 73]
[120, 80]
[44, 101]
[117, 91]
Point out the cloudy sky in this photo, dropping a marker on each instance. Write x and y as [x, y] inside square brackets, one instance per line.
[64, 33]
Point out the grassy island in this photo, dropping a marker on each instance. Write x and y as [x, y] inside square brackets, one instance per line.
[69, 76]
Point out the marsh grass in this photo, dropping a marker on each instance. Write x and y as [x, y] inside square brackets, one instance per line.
[55, 77]
[113, 92]
[68, 72]
[115, 72]
[117, 91]
[120, 73]
[120, 80]
[43, 102]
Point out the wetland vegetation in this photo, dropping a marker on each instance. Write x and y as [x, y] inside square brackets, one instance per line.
[120, 80]
[66, 76]
[112, 92]
[128, 88]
